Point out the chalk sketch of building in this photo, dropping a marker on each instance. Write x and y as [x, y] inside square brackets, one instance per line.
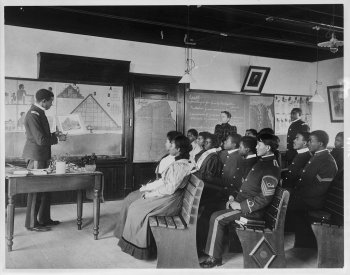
[94, 115]
[71, 91]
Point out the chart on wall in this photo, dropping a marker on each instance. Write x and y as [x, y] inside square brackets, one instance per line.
[92, 115]
[153, 120]
[283, 107]
[203, 110]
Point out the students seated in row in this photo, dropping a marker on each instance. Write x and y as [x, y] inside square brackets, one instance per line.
[161, 197]
[292, 174]
[192, 135]
[164, 163]
[311, 188]
[248, 158]
[200, 141]
[256, 192]
[208, 168]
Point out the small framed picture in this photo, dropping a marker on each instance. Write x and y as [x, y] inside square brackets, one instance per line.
[71, 124]
[255, 79]
[336, 102]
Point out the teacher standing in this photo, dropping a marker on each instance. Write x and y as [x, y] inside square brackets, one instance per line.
[37, 153]
[224, 129]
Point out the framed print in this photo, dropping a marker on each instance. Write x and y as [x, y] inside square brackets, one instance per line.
[71, 124]
[255, 79]
[336, 102]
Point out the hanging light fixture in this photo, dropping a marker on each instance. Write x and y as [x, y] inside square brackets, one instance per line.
[317, 97]
[189, 62]
[187, 77]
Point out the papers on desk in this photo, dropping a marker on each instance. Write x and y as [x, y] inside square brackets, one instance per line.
[21, 172]
[38, 171]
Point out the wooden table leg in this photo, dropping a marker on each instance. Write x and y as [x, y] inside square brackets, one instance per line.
[10, 222]
[96, 212]
[79, 208]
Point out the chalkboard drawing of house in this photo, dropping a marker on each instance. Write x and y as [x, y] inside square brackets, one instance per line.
[95, 116]
[71, 91]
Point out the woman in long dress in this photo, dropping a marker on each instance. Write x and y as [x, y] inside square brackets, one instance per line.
[133, 196]
[160, 197]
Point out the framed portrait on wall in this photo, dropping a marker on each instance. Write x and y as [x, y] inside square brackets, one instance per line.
[336, 102]
[255, 79]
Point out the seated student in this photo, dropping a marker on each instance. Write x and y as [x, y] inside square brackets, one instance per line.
[266, 131]
[247, 152]
[310, 191]
[167, 159]
[200, 141]
[208, 168]
[292, 174]
[255, 194]
[338, 151]
[161, 197]
[133, 196]
[192, 135]
[251, 133]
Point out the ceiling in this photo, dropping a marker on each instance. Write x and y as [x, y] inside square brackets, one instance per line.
[277, 31]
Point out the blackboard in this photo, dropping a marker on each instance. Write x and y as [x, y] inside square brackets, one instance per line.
[202, 110]
[153, 120]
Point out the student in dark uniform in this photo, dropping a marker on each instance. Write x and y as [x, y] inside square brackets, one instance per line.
[37, 153]
[224, 129]
[251, 133]
[295, 127]
[208, 168]
[338, 151]
[292, 174]
[311, 188]
[200, 142]
[247, 152]
[255, 194]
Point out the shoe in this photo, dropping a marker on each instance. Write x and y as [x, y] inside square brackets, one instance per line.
[211, 262]
[50, 222]
[39, 228]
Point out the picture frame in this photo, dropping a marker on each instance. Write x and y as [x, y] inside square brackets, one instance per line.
[255, 79]
[336, 102]
[70, 124]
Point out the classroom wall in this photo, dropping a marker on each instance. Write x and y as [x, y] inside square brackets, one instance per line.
[330, 73]
[214, 70]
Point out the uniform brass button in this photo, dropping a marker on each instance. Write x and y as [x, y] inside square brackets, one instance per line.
[237, 168]
[292, 162]
[252, 169]
[231, 184]
[290, 171]
[303, 171]
[309, 162]
[234, 177]
[240, 190]
[246, 180]
[224, 164]
[299, 179]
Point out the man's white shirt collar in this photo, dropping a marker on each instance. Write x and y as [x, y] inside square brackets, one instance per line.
[37, 105]
[296, 119]
[303, 150]
[321, 151]
[232, 151]
[268, 156]
[251, 156]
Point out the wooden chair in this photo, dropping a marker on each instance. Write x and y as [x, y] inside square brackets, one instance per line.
[264, 248]
[328, 227]
[175, 236]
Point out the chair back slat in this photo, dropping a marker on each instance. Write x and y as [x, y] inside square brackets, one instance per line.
[334, 203]
[275, 213]
[192, 193]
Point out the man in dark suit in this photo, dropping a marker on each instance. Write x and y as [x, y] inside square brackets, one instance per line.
[297, 125]
[224, 129]
[37, 153]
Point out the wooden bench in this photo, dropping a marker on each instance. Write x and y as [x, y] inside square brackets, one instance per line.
[264, 248]
[328, 227]
[175, 236]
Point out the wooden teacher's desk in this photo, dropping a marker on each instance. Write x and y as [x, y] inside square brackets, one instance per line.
[92, 182]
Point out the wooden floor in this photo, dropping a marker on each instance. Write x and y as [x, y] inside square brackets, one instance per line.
[67, 248]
